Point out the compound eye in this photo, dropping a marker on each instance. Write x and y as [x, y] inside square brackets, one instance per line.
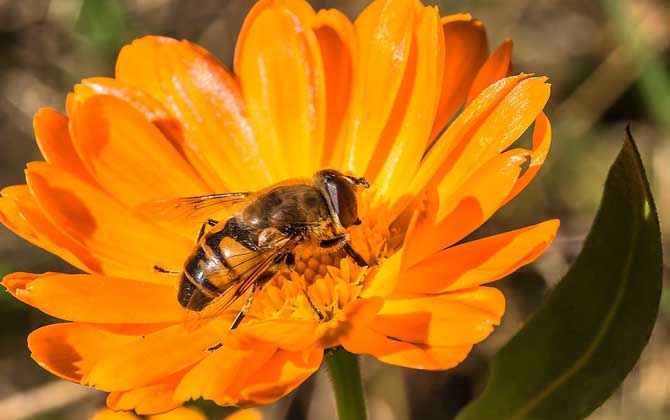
[343, 199]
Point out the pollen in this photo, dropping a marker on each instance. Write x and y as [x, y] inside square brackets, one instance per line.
[327, 278]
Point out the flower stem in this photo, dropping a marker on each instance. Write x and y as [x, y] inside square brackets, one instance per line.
[346, 377]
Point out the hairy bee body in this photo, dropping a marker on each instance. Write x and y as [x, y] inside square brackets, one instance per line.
[258, 235]
[293, 211]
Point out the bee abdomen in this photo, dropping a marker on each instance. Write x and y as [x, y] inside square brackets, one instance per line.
[196, 291]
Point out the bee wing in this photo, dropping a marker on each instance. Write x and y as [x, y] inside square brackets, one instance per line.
[191, 208]
[256, 263]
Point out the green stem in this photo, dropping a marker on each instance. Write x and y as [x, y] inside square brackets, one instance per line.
[346, 378]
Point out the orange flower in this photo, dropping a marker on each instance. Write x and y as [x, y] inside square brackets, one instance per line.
[309, 91]
[181, 413]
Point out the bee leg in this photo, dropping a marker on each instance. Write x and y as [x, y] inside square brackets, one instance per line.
[343, 241]
[214, 347]
[335, 241]
[165, 270]
[245, 307]
[355, 255]
[208, 222]
[314, 308]
[289, 260]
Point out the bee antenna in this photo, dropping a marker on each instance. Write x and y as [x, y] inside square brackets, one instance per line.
[358, 181]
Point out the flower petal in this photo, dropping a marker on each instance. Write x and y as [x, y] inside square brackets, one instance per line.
[384, 30]
[337, 40]
[246, 414]
[289, 334]
[280, 375]
[11, 216]
[478, 262]
[181, 413]
[200, 93]
[103, 226]
[496, 67]
[404, 139]
[128, 155]
[117, 370]
[53, 139]
[21, 214]
[298, 334]
[97, 299]
[464, 210]
[465, 48]
[493, 121]
[449, 319]
[282, 79]
[513, 115]
[212, 377]
[400, 353]
[140, 100]
[107, 414]
[541, 144]
[150, 399]
[69, 350]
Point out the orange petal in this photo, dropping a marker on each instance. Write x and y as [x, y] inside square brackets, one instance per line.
[478, 262]
[150, 399]
[465, 50]
[107, 414]
[541, 144]
[203, 96]
[11, 216]
[496, 67]
[87, 298]
[462, 211]
[383, 281]
[301, 9]
[147, 105]
[280, 375]
[53, 139]
[337, 41]
[181, 413]
[213, 377]
[502, 127]
[400, 353]
[290, 334]
[493, 121]
[384, 32]
[21, 214]
[282, 79]
[247, 414]
[140, 100]
[70, 350]
[108, 230]
[404, 139]
[118, 370]
[128, 155]
[449, 319]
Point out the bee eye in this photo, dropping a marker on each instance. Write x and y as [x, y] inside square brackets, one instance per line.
[339, 193]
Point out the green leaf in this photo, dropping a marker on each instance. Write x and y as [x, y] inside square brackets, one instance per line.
[575, 351]
[104, 24]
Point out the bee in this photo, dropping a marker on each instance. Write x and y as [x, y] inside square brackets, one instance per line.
[243, 252]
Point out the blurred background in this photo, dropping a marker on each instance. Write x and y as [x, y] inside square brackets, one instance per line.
[608, 63]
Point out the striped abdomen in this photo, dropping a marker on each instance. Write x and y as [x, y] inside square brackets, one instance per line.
[220, 258]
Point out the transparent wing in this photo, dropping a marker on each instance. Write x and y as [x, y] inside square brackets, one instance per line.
[253, 265]
[192, 208]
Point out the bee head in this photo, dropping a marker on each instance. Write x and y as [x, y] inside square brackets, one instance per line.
[339, 191]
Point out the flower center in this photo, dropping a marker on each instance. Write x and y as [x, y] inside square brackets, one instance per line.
[329, 279]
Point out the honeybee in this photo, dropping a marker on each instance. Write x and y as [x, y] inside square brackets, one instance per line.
[248, 248]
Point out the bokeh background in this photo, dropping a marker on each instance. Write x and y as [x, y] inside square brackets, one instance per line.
[608, 64]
